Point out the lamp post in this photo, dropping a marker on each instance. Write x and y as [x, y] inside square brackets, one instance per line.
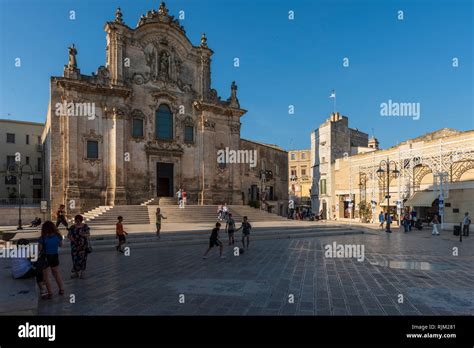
[17, 169]
[381, 172]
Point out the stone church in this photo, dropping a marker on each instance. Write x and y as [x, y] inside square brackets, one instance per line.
[148, 123]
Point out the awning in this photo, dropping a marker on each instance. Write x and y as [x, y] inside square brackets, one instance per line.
[422, 199]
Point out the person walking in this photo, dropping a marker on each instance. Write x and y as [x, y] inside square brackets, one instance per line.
[435, 223]
[381, 219]
[184, 198]
[225, 211]
[61, 216]
[406, 222]
[291, 209]
[246, 228]
[180, 197]
[49, 244]
[230, 228]
[79, 236]
[159, 216]
[413, 217]
[120, 234]
[214, 241]
[465, 224]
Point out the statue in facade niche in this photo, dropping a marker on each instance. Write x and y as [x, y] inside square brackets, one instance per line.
[164, 64]
[72, 63]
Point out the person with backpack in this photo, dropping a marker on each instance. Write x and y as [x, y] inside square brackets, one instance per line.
[230, 228]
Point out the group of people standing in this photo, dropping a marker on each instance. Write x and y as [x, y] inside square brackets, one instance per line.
[182, 197]
[47, 264]
[222, 212]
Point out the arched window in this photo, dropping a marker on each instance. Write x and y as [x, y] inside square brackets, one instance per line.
[164, 123]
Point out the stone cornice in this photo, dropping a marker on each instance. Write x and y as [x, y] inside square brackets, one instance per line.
[81, 86]
[218, 109]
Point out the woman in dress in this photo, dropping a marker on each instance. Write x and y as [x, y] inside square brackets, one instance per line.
[79, 236]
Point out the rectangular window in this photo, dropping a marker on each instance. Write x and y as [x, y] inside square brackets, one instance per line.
[37, 193]
[322, 188]
[39, 165]
[27, 160]
[293, 156]
[137, 127]
[10, 162]
[303, 156]
[27, 139]
[293, 172]
[10, 180]
[92, 149]
[37, 181]
[11, 138]
[303, 171]
[189, 134]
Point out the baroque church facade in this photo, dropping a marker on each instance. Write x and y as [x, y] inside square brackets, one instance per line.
[156, 125]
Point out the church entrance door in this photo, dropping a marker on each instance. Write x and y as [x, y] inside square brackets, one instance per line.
[164, 179]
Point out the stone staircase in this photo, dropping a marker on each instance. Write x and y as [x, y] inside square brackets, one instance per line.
[94, 213]
[132, 214]
[145, 213]
[149, 240]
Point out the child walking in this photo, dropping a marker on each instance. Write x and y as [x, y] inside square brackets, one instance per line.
[246, 227]
[120, 234]
[214, 241]
[159, 216]
[230, 228]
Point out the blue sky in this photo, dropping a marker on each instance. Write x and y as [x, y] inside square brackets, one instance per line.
[282, 62]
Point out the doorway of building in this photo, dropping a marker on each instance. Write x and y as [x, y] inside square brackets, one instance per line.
[164, 184]
[325, 210]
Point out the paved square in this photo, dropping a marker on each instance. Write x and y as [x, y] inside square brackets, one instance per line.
[262, 281]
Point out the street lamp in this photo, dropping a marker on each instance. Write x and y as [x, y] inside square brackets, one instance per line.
[387, 171]
[17, 169]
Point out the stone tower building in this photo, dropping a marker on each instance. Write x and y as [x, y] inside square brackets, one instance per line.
[332, 140]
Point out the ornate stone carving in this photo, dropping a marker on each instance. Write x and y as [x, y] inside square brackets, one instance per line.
[235, 128]
[156, 147]
[72, 62]
[92, 135]
[118, 16]
[102, 77]
[233, 101]
[209, 125]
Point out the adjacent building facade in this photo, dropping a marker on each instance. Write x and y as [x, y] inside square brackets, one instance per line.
[21, 146]
[351, 179]
[146, 124]
[301, 176]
